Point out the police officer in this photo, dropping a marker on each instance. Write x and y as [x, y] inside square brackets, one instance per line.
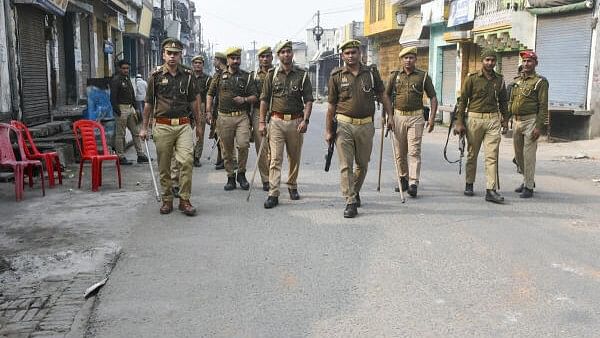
[407, 121]
[122, 97]
[202, 83]
[171, 92]
[483, 106]
[219, 65]
[529, 108]
[288, 92]
[236, 92]
[265, 62]
[353, 90]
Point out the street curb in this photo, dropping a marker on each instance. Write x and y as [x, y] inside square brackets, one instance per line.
[82, 319]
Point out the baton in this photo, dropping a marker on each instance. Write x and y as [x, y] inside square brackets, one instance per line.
[380, 154]
[397, 169]
[157, 194]
[260, 150]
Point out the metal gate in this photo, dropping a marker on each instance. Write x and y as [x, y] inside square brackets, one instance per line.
[563, 44]
[510, 66]
[33, 71]
[449, 75]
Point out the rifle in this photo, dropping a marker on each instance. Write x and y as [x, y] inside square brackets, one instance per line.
[396, 165]
[461, 142]
[383, 117]
[329, 154]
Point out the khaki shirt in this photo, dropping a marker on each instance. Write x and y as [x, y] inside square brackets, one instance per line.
[202, 85]
[259, 80]
[409, 89]
[481, 95]
[289, 93]
[121, 91]
[355, 96]
[227, 85]
[530, 96]
[173, 94]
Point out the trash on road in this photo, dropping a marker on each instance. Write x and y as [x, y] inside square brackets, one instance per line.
[92, 290]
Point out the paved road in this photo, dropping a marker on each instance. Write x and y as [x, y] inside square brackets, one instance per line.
[439, 265]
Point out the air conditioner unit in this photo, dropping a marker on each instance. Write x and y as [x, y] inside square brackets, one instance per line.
[401, 18]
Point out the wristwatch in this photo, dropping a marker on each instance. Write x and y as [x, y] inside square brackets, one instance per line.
[306, 121]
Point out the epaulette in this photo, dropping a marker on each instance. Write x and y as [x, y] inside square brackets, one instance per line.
[472, 74]
[298, 68]
[336, 70]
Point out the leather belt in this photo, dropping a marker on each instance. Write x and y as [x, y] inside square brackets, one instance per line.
[172, 122]
[353, 120]
[417, 112]
[486, 115]
[524, 117]
[287, 116]
[233, 113]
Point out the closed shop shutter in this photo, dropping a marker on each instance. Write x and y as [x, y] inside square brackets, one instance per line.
[61, 90]
[563, 44]
[449, 76]
[34, 76]
[510, 66]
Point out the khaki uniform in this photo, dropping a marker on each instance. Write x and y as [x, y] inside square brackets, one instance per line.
[171, 97]
[354, 98]
[123, 100]
[202, 85]
[233, 124]
[486, 105]
[408, 119]
[289, 92]
[529, 108]
[263, 161]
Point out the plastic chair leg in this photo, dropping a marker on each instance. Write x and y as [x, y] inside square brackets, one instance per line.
[80, 173]
[18, 172]
[94, 174]
[42, 177]
[50, 170]
[119, 172]
[99, 173]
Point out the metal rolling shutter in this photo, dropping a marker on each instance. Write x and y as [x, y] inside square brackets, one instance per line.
[449, 76]
[61, 97]
[510, 66]
[34, 76]
[563, 44]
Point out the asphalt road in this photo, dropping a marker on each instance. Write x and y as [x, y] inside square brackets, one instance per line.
[439, 265]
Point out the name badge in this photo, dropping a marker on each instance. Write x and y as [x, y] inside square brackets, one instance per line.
[164, 81]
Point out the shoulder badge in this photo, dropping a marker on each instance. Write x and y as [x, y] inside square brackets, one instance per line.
[336, 70]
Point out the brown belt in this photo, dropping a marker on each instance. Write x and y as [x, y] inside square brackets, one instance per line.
[525, 117]
[286, 117]
[172, 122]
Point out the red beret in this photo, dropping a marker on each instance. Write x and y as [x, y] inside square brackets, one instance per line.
[528, 54]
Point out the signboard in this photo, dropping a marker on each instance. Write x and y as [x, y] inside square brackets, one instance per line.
[461, 12]
[57, 7]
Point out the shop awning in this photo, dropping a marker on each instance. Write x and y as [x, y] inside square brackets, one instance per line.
[413, 33]
[81, 7]
[119, 5]
[57, 7]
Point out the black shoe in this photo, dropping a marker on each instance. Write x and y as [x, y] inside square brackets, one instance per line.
[197, 163]
[412, 190]
[241, 178]
[520, 188]
[526, 193]
[404, 183]
[357, 200]
[294, 195]
[271, 202]
[124, 161]
[350, 211]
[175, 191]
[230, 183]
[220, 165]
[142, 159]
[265, 186]
[469, 189]
[493, 196]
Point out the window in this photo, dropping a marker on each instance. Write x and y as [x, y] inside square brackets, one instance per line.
[381, 10]
[372, 11]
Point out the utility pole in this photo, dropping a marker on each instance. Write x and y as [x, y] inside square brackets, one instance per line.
[318, 32]
[161, 35]
[253, 55]
[200, 33]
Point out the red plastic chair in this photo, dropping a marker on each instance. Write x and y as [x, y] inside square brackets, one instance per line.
[50, 159]
[8, 159]
[85, 136]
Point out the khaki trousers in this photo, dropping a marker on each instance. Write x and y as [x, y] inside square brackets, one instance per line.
[263, 161]
[284, 133]
[174, 142]
[525, 148]
[409, 134]
[483, 128]
[127, 119]
[199, 146]
[234, 131]
[354, 144]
